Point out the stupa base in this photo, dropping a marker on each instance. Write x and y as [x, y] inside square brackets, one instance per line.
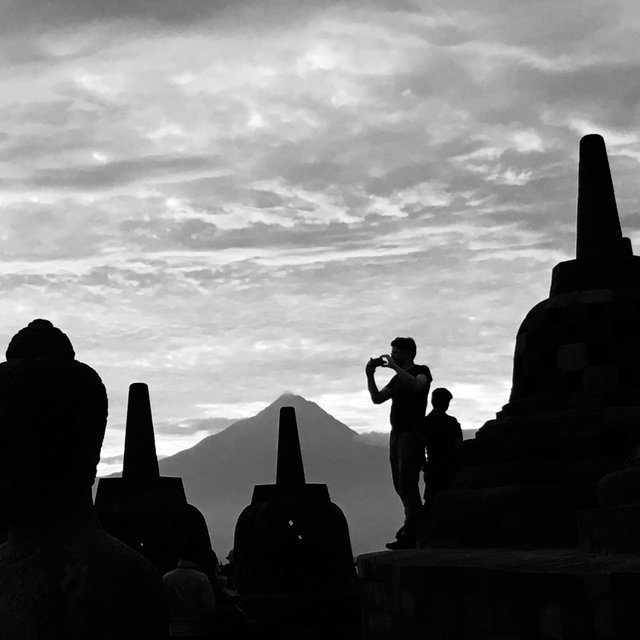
[498, 594]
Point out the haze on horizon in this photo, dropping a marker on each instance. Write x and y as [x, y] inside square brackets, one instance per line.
[226, 203]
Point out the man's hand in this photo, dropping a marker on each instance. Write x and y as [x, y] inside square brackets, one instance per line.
[377, 396]
[390, 362]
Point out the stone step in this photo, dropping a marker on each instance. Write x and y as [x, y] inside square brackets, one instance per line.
[539, 528]
[537, 443]
[526, 497]
[609, 530]
[513, 515]
[561, 470]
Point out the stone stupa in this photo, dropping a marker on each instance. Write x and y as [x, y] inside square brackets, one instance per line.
[574, 410]
[148, 511]
[292, 552]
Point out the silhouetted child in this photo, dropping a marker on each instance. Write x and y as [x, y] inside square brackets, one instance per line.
[443, 437]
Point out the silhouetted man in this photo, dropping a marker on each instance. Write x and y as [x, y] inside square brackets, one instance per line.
[443, 437]
[409, 394]
[190, 597]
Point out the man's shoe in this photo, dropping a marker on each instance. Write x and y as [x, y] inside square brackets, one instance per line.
[401, 533]
[401, 543]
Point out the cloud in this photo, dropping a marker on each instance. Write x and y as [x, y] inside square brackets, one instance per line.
[61, 12]
[32, 16]
[199, 193]
[117, 174]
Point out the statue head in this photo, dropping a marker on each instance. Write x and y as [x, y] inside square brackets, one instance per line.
[53, 411]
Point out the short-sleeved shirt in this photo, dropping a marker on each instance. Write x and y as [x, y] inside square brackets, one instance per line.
[408, 406]
[191, 600]
[441, 432]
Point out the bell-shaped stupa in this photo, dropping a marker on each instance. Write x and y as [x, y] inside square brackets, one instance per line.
[148, 511]
[574, 409]
[292, 549]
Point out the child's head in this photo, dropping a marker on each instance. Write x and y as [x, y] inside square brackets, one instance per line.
[440, 398]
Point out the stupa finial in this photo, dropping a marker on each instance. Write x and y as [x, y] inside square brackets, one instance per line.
[140, 459]
[599, 233]
[289, 470]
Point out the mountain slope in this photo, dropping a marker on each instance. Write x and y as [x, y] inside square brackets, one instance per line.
[220, 472]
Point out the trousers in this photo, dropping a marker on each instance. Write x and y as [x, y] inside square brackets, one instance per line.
[406, 455]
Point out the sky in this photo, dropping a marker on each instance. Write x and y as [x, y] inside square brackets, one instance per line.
[231, 200]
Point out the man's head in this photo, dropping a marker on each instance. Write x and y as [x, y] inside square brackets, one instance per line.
[440, 398]
[403, 350]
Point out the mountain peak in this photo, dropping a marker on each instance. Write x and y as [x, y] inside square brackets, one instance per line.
[288, 398]
[316, 427]
[285, 395]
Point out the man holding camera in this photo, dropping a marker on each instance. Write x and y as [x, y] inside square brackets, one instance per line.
[409, 394]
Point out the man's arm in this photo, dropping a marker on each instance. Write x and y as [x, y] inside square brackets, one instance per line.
[378, 396]
[419, 383]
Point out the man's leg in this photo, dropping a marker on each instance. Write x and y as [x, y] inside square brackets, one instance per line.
[394, 462]
[395, 471]
[410, 462]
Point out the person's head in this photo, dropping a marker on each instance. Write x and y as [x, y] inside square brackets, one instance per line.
[440, 398]
[403, 350]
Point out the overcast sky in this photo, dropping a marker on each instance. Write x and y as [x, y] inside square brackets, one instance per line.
[231, 200]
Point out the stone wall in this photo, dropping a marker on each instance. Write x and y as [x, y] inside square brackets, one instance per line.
[497, 594]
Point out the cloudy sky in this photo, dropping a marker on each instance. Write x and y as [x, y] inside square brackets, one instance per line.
[229, 200]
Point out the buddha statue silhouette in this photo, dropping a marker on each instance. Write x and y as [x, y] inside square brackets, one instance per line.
[61, 575]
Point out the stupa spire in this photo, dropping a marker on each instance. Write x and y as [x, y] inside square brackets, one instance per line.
[289, 469]
[599, 233]
[140, 459]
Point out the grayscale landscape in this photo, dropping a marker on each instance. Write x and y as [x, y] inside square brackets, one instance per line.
[219, 473]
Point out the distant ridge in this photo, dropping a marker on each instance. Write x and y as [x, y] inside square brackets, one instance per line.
[220, 472]
[263, 425]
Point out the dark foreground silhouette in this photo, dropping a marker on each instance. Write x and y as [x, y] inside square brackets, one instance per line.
[61, 576]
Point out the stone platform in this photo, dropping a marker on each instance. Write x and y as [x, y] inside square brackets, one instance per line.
[499, 594]
[305, 616]
[609, 530]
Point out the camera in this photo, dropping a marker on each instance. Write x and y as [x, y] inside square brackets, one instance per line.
[379, 362]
